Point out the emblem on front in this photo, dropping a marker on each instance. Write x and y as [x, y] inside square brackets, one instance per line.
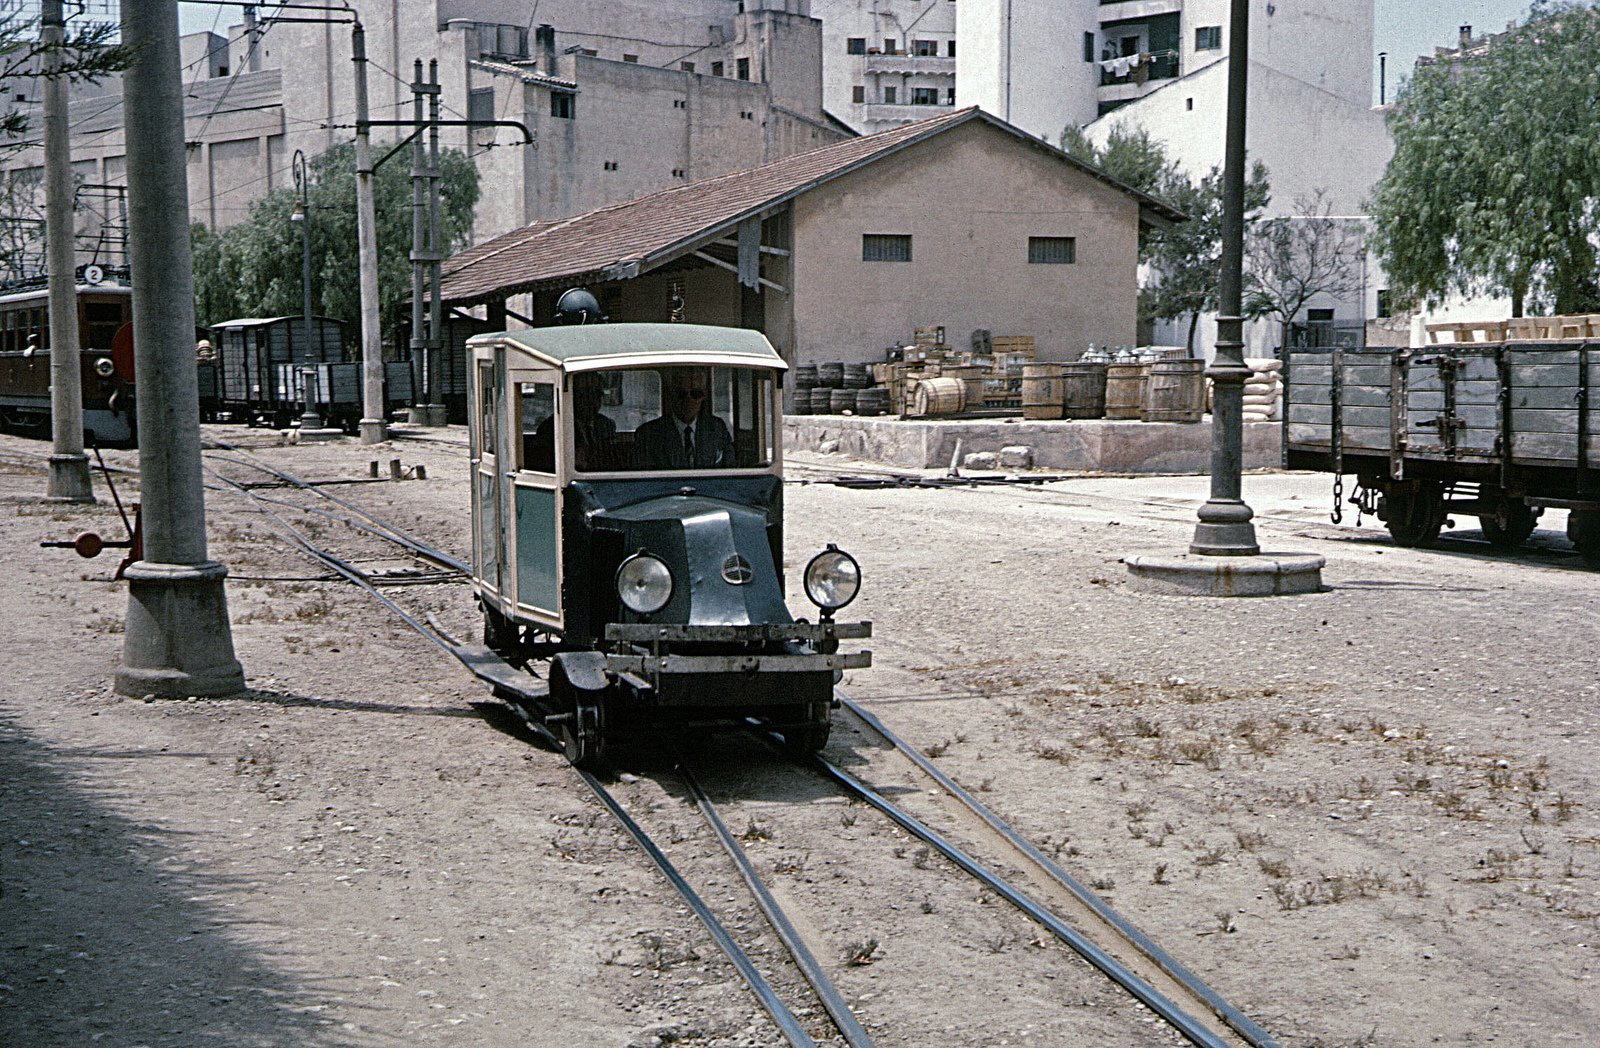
[736, 571]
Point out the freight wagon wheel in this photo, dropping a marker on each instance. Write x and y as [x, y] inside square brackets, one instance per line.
[1509, 525]
[580, 721]
[1414, 513]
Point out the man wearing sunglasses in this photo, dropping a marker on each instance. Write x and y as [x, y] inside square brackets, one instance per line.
[688, 435]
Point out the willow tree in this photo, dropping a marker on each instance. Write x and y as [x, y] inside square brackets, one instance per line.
[1495, 183]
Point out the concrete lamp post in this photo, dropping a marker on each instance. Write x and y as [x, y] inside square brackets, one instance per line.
[1224, 559]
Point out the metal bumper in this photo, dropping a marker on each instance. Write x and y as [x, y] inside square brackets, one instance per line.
[656, 664]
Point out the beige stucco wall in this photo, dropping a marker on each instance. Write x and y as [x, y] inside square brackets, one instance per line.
[970, 199]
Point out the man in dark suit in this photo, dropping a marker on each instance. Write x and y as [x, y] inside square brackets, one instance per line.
[688, 435]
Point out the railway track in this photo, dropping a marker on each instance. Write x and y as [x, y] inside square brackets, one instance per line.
[1050, 897]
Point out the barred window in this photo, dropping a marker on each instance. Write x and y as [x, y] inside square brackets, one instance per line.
[885, 247]
[1059, 250]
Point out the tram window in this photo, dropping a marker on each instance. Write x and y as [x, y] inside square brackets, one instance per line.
[101, 321]
[488, 418]
[730, 410]
[538, 444]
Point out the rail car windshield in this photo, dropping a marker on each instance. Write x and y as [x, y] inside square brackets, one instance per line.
[662, 419]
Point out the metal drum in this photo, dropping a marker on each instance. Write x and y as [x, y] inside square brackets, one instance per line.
[1175, 391]
[1083, 390]
[1125, 390]
[1043, 396]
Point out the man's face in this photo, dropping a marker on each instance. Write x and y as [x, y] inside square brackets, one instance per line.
[686, 392]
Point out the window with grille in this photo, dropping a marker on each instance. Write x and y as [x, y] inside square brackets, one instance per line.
[1053, 250]
[1208, 38]
[886, 247]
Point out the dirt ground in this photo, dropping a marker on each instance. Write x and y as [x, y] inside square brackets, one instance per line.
[1369, 816]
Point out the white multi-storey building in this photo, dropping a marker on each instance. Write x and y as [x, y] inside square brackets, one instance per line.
[887, 62]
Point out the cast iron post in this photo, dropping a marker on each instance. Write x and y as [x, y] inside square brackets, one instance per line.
[374, 425]
[177, 640]
[309, 419]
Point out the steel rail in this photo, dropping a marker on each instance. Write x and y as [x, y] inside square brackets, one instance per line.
[774, 1006]
[832, 1001]
[1196, 1032]
[1240, 1023]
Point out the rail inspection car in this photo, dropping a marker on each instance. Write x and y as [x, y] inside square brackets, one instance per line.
[627, 509]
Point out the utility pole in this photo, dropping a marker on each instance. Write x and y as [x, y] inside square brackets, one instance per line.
[69, 466]
[419, 244]
[177, 641]
[425, 254]
[436, 411]
[301, 216]
[374, 428]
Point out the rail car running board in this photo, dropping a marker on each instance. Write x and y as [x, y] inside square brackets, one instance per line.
[495, 671]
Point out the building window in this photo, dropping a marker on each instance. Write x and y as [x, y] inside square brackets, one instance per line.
[687, 67]
[1088, 47]
[952, 52]
[858, 94]
[924, 96]
[1188, 105]
[1208, 38]
[679, 103]
[949, 96]
[855, 45]
[744, 69]
[611, 165]
[1385, 303]
[480, 105]
[890, 95]
[885, 247]
[1053, 250]
[925, 48]
[634, 59]
[891, 46]
[716, 68]
[679, 172]
[561, 105]
[589, 52]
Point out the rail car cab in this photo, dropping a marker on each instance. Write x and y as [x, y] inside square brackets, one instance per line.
[627, 509]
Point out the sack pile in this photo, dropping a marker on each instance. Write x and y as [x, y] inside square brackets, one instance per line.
[1263, 390]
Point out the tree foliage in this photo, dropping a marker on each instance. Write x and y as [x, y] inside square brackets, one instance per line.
[1185, 261]
[1493, 186]
[254, 268]
[1290, 260]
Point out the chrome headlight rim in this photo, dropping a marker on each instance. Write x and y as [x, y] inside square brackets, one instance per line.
[836, 558]
[634, 585]
[104, 367]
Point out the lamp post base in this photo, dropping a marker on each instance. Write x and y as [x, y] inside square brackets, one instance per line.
[1263, 575]
[69, 479]
[177, 641]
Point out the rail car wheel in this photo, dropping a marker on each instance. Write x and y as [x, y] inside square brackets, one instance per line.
[1509, 525]
[578, 687]
[810, 735]
[1583, 528]
[1414, 513]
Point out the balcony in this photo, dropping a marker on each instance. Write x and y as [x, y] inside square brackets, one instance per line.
[1159, 67]
[903, 112]
[927, 65]
[1123, 10]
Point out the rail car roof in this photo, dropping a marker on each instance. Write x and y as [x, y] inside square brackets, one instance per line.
[590, 347]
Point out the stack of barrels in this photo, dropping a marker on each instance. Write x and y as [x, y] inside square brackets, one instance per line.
[836, 388]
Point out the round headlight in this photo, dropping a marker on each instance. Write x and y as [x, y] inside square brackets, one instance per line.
[833, 578]
[644, 584]
[103, 367]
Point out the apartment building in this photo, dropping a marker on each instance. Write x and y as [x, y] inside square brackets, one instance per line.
[887, 62]
[622, 97]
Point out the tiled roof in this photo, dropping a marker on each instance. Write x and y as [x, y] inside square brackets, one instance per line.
[612, 241]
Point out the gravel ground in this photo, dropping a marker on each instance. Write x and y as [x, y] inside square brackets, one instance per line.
[1367, 816]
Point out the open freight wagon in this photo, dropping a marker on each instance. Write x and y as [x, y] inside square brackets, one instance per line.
[1497, 430]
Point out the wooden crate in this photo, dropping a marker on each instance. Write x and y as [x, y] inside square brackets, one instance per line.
[1012, 350]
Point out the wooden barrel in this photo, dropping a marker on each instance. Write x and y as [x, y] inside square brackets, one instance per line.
[1125, 389]
[1043, 396]
[872, 401]
[972, 376]
[805, 376]
[939, 396]
[842, 402]
[830, 375]
[800, 401]
[1083, 390]
[1175, 391]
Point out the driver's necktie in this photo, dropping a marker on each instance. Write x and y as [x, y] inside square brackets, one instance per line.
[688, 447]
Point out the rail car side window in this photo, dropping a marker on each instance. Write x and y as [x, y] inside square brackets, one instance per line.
[537, 403]
[670, 419]
[488, 424]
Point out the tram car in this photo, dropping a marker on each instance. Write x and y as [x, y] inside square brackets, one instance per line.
[105, 361]
[267, 368]
[627, 507]
[1499, 430]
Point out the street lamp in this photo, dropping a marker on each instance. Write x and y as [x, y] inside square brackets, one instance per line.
[309, 420]
[1224, 559]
